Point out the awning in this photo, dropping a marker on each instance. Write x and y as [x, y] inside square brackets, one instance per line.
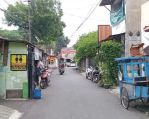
[105, 2]
[17, 41]
[116, 37]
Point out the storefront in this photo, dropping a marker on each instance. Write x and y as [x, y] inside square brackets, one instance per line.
[16, 69]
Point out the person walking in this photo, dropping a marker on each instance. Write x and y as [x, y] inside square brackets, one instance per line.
[37, 73]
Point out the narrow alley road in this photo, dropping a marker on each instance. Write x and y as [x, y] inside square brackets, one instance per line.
[71, 96]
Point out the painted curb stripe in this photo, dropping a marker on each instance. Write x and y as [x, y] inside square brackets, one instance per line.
[15, 115]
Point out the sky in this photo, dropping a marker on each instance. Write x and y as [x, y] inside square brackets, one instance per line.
[4, 5]
[75, 12]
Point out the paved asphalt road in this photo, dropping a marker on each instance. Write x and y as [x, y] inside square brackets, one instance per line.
[71, 96]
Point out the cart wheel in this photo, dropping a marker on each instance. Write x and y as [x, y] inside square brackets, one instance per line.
[124, 98]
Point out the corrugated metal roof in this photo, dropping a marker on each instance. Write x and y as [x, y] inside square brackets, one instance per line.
[21, 41]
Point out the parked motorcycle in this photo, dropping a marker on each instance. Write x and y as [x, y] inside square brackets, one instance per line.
[89, 72]
[96, 75]
[93, 74]
[44, 82]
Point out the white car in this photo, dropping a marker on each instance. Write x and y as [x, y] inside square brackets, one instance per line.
[72, 64]
[68, 64]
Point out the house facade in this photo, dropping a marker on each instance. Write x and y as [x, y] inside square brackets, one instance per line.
[128, 18]
[145, 22]
[17, 68]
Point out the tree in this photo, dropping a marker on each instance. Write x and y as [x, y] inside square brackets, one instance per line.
[12, 35]
[45, 16]
[61, 42]
[86, 46]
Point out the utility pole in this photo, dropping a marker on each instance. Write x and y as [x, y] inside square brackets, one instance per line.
[29, 21]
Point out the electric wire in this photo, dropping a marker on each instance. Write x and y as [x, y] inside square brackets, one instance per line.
[14, 17]
[90, 13]
[36, 33]
[6, 2]
[81, 17]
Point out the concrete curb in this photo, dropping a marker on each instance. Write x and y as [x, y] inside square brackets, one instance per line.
[115, 91]
[16, 115]
[17, 99]
[83, 74]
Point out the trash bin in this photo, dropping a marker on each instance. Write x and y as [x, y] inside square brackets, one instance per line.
[37, 93]
[25, 90]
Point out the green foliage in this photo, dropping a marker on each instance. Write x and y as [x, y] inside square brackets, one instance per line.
[108, 52]
[45, 18]
[95, 61]
[86, 46]
[12, 35]
[60, 43]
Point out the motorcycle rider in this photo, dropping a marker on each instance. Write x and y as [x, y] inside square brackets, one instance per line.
[41, 65]
[61, 65]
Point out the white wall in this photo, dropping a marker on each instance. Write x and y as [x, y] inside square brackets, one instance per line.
[120, 28]
[145, 22]
[38, 54]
